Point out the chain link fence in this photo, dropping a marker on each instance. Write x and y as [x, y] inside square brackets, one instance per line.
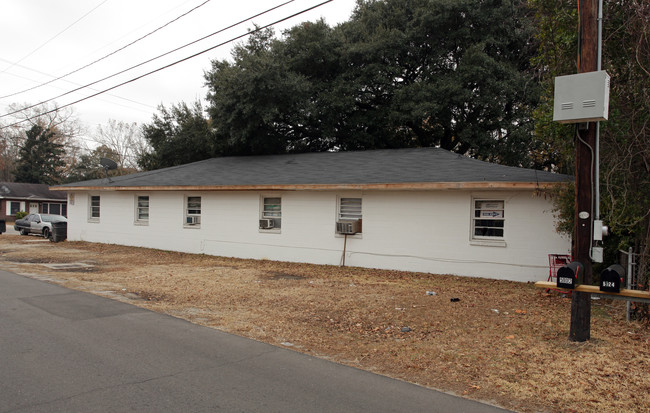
[637, 279]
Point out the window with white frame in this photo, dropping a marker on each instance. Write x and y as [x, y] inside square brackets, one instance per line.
[488, 219]
[193, 211]
[142, 209]
[271, 213]
[14, 207]
[349, 209]
[94, 208]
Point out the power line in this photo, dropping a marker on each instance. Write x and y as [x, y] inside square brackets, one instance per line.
[54, 37]
[77, 84]
[152, 59]
[257, 29]
[106, 56]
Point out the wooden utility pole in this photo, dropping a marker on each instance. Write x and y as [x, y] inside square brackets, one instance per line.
[580, 329]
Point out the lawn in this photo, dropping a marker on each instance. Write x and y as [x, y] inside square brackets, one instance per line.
[497, 341]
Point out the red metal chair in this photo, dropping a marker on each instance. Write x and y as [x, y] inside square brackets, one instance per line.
[555, 262]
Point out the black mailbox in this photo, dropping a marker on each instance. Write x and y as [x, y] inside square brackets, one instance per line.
[570, 275]
[611, 278]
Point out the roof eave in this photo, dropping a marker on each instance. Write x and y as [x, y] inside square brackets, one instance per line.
[31, 198]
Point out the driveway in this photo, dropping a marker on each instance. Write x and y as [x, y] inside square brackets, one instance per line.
[68, 351]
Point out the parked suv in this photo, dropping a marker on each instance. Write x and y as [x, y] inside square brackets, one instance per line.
[40, 224]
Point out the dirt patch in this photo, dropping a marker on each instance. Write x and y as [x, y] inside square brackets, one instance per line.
[501, 341]
[282, 276]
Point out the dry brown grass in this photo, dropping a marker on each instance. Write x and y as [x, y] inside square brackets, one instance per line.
[503, 342]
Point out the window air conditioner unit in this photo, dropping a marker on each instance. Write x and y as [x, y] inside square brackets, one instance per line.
[266, 223]
[348, 227]
[194, 220]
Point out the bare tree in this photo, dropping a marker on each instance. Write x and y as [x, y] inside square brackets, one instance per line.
[10, 141]
[49, 117]
[67, 128]
[125, 140]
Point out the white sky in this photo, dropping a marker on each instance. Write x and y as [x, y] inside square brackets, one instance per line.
[45, 39]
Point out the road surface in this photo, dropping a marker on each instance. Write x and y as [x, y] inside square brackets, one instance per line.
[68, 351]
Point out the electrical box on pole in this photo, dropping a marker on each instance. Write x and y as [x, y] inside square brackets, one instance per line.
[583, 97]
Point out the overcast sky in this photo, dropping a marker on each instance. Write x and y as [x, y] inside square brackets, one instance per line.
[46, 39]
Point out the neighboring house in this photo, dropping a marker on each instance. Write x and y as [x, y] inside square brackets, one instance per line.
[31, 198]
[422, 209]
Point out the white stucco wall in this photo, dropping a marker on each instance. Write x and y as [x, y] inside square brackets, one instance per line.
[414, 231]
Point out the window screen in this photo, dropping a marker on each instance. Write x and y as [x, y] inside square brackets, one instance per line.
[94, 206]
[488, 220]
[350, 208]
[272, 209]
[142, 208]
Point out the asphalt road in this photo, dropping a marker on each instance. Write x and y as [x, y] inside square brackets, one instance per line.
[68, 351]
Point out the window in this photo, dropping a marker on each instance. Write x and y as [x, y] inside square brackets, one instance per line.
[488, 219]
[142, 209]
[93, 212]
[14, 208]
[350, 210]
[193, 212]
[272, 211]
[54, 209]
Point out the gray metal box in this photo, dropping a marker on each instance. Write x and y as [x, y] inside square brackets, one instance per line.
[581, 98]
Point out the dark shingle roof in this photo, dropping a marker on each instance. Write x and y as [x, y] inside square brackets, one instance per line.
[36, 192]
[388, 166]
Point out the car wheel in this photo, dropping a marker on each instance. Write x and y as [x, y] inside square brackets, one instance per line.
[46, 233]
[23, 232]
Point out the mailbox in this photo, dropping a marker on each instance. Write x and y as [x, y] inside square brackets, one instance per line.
[611, 278]
[570, 275]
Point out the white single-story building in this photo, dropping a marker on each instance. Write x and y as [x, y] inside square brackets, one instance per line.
[422, 209]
